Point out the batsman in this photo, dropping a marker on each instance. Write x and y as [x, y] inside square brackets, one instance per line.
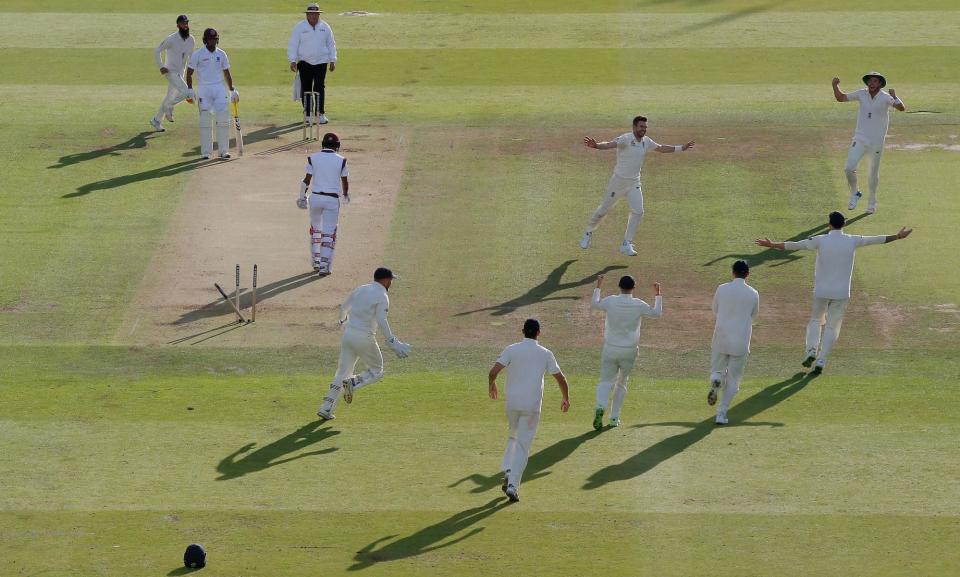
[326, 178]
[212, 68]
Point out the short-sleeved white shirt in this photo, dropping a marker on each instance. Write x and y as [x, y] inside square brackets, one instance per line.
[834, 268]
[527, 362]
[624, 313]
[631, 154]
[873, 117]
[326, 167]
[209, 65]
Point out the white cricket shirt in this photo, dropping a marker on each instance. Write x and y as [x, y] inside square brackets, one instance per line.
[367, 307]
[176, 51]
[326, 168]
[631, 154]
[312, 44]
[209, 65]
[834, 268]
[873, 117]
[624, 313]
[526, 363]
[735, 305]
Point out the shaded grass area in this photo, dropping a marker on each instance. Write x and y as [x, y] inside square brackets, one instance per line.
[508, 67]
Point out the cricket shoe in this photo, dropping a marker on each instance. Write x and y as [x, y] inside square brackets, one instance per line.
[714, 389]
[322, 119]
[326, 415]
[598, 419]
[808, 360]
[871, 207]
[627, 248]
[348, 385]
[854, 198]
[225, 156]
[512, 493]
[323, 271]
[205, 157]
[157, 127]
[721, 418]
[503, 486]
[614, 422]
[817, 369]
[585, 241]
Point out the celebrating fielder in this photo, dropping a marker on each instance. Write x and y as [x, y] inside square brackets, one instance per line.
[526, 363]
[363, 311]
[632, 149]
[831, 286]
[212, 67]
[171, 58]
[327, 177]
[621, 343]
[735, 305]
[873, 120]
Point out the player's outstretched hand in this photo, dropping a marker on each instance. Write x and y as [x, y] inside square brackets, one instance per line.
[765, 242]
[904, 232]
[656, 289]
[835, 81]
[893, 92]
[600, 278]
[589, 142]
[689, 145]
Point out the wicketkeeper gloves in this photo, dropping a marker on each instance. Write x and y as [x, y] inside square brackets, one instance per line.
[400, 348]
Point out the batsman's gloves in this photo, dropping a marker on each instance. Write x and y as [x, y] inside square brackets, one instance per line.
[302, 202]
[234, 95]
[402, 349]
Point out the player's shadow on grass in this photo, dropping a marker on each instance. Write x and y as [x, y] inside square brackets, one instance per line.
[271, 132]
[537, 466]
[541, 292]
[780, 257]
[118, 181]
[182, 571]
[242, 462]
[663, 450]
[448, 532]
[220, 307]
[138, 141]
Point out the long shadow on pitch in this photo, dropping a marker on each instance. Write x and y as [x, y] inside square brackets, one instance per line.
[118, 181]
[133, 143]
[271, 132]
[220, 307]
[242, 462]
[448, 532]
[537, 466]
[652, 456]
[541, 292]
[780, 257]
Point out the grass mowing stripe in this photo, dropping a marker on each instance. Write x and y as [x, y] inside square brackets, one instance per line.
[507, 67]
[490, 31]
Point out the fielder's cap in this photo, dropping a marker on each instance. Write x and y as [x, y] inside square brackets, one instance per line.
[382, 273]
[868, 75]
[182, 18]
[314, 8]
[195, 556]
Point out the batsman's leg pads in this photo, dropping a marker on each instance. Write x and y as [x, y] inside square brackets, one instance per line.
[206, 134]
[328, 243]
[315, 244]
[223, 133]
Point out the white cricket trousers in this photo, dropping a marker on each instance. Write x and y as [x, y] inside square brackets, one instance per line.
[826, 317]
[355, 345]
[324, 215]
[176, 93]
[615, 366]
[523, 427]
[213, 99]
[616, 189]
[857, 151]
[728, 369]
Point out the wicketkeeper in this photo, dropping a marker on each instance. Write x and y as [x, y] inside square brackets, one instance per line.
[360, 315]
[326, 178]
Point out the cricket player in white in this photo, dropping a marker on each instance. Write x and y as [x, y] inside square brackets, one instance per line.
[171, 58]
[526, 363]
[327, 178]
[213, 67]
[831, 287]
[621, 342]
[360, 315]
[735, 305]
[873, 120]
[632, 149]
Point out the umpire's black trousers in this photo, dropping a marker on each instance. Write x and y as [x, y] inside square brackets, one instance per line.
[312, 77]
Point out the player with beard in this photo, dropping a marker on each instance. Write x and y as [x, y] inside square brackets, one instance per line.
[171, 58]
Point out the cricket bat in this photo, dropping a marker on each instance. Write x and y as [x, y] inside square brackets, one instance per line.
[236, 123]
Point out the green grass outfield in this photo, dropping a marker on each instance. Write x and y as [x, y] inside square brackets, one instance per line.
[114, 457]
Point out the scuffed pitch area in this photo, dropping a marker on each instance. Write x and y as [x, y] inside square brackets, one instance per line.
[243, 211]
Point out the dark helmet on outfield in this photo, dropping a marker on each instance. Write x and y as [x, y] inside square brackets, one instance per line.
[195, 556]
[877, 75]
[331, 141]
